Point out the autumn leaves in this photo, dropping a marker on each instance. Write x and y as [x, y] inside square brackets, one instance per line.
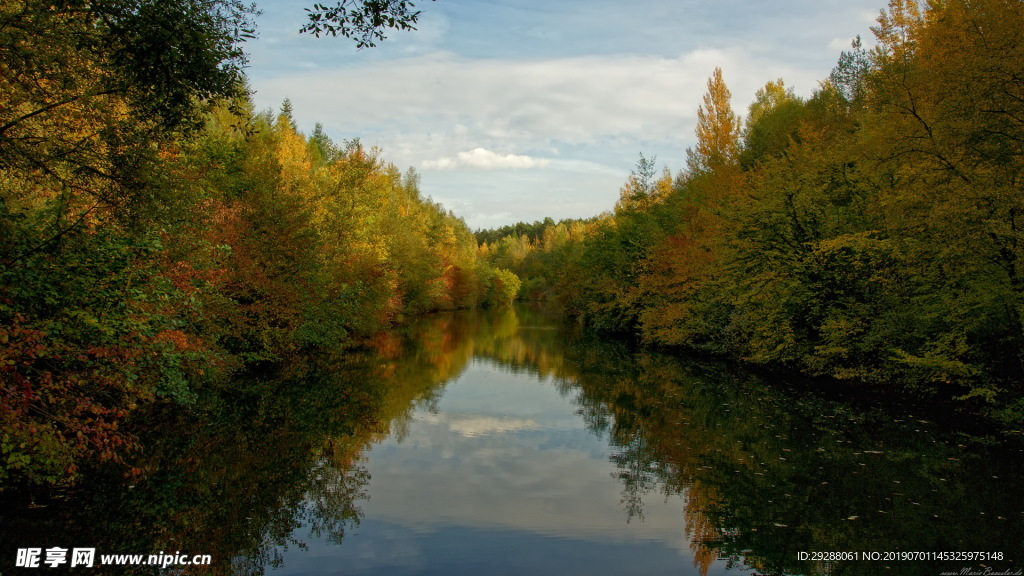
[870, 232]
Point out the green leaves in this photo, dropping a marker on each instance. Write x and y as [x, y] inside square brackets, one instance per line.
[503, 287]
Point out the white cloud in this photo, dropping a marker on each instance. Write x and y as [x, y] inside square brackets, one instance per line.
[498, 434]
[870, 16]
[840, 44]
[445, 112]
[485, 159]
[562, 86]
[477, 220]
[471, 426]
[462, 118]
[535, 104]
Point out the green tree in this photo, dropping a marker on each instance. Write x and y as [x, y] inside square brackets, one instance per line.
[851, 71]
[772, 121]
[504, 287]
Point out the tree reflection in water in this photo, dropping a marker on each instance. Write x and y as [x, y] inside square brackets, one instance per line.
[254, 460]
[772, 470]
[765, 472]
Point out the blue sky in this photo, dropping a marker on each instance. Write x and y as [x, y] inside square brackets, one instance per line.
[520, 109]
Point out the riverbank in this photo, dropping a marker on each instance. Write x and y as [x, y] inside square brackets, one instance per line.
[506, 426]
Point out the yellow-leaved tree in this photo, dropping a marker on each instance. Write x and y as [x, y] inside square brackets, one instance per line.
[679, 286]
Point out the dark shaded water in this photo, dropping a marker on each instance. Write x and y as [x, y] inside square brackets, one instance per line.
[502, 443]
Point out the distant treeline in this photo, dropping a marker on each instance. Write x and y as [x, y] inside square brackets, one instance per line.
[533, 232]
[872, 232]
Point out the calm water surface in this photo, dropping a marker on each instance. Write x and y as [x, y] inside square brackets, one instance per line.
[501, 475]
[504, 443]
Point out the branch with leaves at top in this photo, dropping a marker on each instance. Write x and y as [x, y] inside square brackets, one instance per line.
[363, 21]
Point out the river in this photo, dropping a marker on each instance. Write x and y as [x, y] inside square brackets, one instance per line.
[506, 442]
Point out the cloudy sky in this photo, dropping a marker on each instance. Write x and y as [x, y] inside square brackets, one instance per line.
[520, 109]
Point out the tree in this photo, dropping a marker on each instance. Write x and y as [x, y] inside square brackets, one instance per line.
[503, 287]
[323, 148]
[946, 145]
[93, 95]
[639, 188]
[288, 113]
[89, 88]
[850, 72]
[146, 243]
[680, 282]
[718, 129]
[772, 122]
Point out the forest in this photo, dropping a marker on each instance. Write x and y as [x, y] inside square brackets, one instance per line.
[866, 234]
[158, 234]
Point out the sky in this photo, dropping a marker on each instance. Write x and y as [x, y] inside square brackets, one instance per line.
[515, 110]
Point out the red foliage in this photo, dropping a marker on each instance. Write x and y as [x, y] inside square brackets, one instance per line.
[60, 402]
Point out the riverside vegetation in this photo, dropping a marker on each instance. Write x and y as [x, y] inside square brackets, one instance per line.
[868, 233]
[157, 234]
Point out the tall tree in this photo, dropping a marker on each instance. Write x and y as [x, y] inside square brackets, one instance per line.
[718, 129]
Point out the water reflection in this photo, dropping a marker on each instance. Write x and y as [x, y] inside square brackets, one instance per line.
[768, 474]
[503, 442]
[637, 462]
[235, 477]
